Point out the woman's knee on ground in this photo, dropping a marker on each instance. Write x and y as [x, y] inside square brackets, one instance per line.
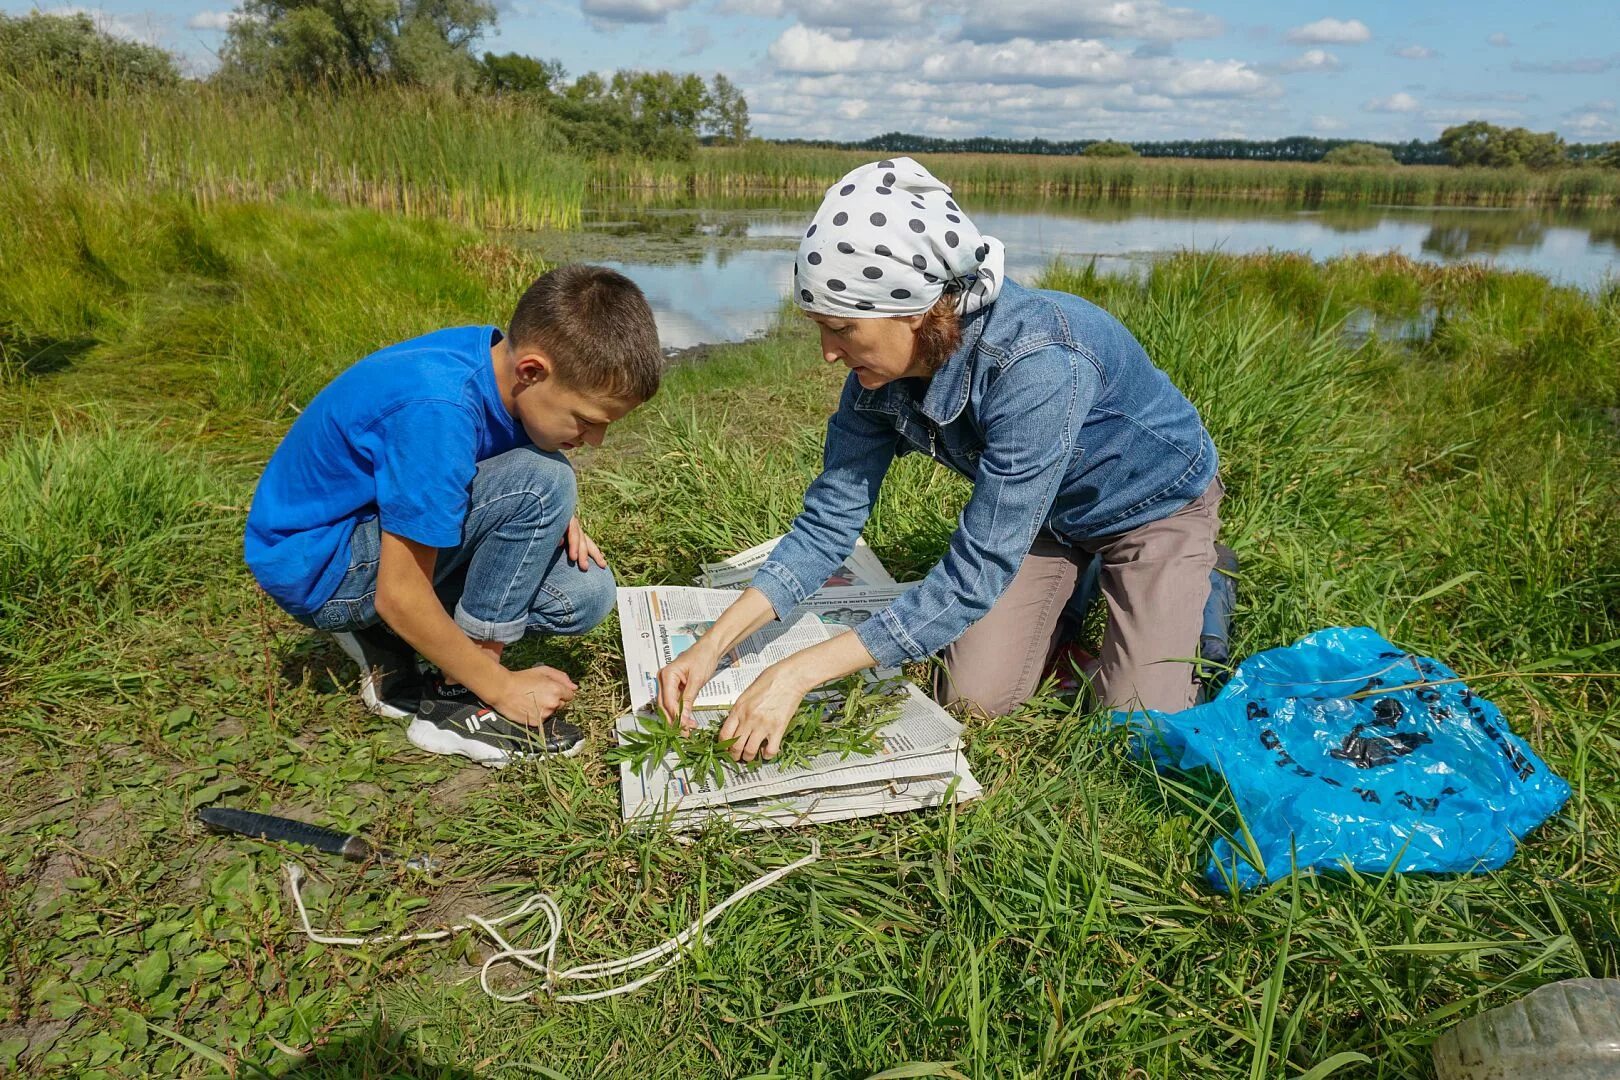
[988, 689]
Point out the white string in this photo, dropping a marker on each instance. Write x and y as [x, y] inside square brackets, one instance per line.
[674, 948]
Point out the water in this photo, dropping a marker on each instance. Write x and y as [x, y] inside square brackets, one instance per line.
[719, 272]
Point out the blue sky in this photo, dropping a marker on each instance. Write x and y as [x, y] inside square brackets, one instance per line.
[1061, 69]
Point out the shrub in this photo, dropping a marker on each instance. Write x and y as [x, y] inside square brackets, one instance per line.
[71, 50]
[1359, 153]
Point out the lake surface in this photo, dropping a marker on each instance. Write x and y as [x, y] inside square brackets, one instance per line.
[719, 272]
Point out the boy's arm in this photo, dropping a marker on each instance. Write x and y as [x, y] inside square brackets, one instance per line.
[407, 603]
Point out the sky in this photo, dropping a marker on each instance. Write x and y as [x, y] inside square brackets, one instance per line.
[1065, 69]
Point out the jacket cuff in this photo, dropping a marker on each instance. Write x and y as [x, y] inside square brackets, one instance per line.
[780, 587]
[887, 640]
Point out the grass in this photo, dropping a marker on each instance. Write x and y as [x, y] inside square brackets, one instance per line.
[497, 162]
[1456, 494]
[489, 161]
[770, 167]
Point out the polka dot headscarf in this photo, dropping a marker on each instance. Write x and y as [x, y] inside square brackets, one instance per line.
[888, 240]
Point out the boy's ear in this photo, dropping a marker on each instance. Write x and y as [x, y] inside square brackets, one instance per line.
[532, 368]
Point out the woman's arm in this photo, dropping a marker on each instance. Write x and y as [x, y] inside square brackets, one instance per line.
[1032, 421]
[859, 449]
[856, 457]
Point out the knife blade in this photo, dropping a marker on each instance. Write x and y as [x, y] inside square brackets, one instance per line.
[350, 846]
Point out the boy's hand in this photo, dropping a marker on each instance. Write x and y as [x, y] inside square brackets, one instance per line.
[532, 695]
[581, 547]
[762, 714]
[680, 681]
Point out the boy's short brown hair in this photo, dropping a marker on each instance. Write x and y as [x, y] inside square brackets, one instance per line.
[596, 325]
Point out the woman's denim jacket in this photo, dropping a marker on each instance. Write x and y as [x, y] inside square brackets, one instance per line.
[1058, 417]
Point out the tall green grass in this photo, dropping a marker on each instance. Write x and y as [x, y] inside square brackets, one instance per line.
[487, 161]
[770, 167]
[499, 162]
[1456, 493]
[255, 306]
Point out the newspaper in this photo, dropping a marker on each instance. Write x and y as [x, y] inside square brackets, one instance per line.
[918, 761]
[919, 753]
[658, 623]
[923, 740]
[840, 804]
[861, 568]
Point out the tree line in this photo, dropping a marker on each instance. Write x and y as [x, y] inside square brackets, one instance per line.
[346, 46]
[1473, 143]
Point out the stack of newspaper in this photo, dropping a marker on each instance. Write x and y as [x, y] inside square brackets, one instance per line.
[918, 762]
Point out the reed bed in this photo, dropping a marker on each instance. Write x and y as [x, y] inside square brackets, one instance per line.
[492, 162]
[800, 170]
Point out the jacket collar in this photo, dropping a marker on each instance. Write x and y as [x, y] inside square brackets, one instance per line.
[947, 393]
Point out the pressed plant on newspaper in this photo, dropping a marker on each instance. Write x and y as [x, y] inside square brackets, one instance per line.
[841, 718]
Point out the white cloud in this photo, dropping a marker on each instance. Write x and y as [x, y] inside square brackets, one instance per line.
[1217, 78]
[1581, 65]
[144, 28]
[1400, 102]
[1310, 60]
[213, 20]
[1590, 125]
[1326, 124]
[1415, 52]
[933, 61]
[1602, 105]
[631, 11]
[1500, 40]
[875, 18]
[1045, 20]
[804, 51]
[1330, 32]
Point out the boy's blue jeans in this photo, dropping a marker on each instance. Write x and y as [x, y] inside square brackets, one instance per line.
[510, 575]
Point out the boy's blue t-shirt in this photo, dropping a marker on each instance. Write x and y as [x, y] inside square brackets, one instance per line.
[396, 437]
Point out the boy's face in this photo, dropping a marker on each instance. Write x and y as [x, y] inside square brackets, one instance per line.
[556, 415]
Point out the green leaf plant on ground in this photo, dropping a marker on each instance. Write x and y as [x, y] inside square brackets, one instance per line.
[841, 718]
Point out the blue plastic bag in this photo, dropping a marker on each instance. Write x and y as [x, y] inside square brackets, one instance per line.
[1426, 778]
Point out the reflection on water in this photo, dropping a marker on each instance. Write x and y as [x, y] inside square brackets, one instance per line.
[718, 271]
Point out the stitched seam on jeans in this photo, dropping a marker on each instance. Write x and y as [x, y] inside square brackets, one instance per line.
[512, 583]
[567, 603]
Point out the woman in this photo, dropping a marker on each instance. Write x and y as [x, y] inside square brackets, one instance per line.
[1075, 443]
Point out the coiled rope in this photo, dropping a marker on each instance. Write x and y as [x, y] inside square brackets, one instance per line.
[542, 958]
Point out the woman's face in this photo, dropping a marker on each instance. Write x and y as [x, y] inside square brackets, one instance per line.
[878, 351]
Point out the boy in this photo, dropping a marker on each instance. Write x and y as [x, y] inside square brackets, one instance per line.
[421, 503]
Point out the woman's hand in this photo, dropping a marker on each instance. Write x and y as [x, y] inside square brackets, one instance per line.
[582, 550]
[762, 714]
[680, 681]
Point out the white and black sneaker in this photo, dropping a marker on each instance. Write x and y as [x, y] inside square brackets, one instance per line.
[391, 682]
[453, 720]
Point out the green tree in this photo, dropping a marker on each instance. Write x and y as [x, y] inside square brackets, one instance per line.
[727, 117]
[514, 73]
[1110, 148]
[1359, 153]
[1480, 143]
[71, 51]
[337, 42]
[1610, 158]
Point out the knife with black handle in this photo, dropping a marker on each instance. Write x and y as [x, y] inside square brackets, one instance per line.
[350, 846]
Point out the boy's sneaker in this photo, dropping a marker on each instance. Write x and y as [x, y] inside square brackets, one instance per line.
[453, 720]
[391, 684]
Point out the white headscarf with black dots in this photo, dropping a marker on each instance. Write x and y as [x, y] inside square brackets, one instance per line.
[888, 240]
